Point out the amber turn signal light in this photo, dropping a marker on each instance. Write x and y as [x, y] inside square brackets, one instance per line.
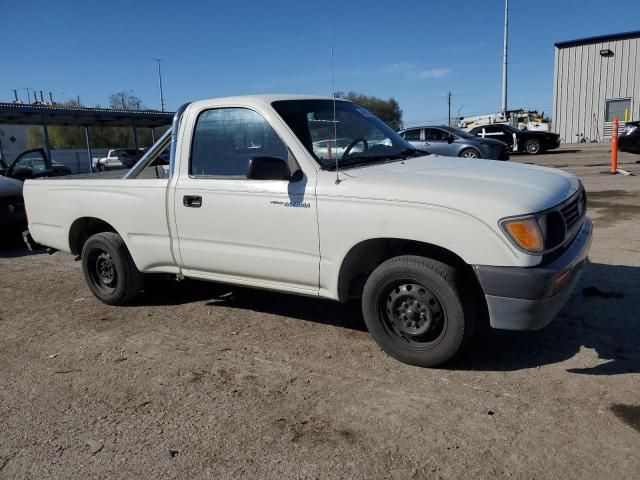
[526, 233]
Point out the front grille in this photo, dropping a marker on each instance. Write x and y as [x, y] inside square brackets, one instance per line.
[574, 210]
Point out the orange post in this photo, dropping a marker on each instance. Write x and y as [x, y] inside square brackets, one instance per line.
[614, 147]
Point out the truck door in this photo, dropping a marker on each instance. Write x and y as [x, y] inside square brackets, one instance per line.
[229, 227]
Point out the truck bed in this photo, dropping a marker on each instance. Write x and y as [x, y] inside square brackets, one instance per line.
[134, 208]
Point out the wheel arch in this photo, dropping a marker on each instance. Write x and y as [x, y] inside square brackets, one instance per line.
[84, 227]
[365, 256]
[467, 148]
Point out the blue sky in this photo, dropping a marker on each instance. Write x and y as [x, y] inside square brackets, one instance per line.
[415, 51]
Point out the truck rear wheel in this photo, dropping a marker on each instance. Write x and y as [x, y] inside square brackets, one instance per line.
[413, 310]
[109, 269]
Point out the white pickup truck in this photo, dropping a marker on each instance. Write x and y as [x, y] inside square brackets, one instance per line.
[432, 245]
[116, 158]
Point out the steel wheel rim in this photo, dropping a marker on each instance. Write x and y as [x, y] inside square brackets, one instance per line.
[470, 155]
[102, 270]
[412, 313]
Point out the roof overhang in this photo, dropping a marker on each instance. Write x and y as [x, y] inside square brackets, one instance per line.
[598, 39]
[28, 114]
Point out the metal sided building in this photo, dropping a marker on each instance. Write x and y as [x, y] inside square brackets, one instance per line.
[595, 80]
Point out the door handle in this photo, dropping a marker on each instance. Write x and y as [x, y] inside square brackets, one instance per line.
[193, 201]
[426, 144]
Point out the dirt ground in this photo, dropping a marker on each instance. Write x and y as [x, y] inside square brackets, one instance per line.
[208, 381]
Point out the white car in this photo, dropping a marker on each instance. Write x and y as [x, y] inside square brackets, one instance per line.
[431, 245]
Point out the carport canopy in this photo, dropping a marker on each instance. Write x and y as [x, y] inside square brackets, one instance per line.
[46, 115]
[27, 114]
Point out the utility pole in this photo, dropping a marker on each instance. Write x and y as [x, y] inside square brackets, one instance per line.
[449, 104]
[160, 82]
[504, 62]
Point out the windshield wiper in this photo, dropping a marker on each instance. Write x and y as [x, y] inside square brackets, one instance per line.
[409, 152]
[371, 159]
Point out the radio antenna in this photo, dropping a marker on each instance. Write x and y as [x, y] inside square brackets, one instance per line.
[333, 94]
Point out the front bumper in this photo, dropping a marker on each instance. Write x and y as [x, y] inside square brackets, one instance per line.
[529, 298]
[551, 144]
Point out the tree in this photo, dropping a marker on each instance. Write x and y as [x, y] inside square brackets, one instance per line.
[59, 137]
[101, 137]
[125, 100]
[388, 111]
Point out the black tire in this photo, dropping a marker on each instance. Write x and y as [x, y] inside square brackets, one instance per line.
[414, 311]
[109, 269]
[470, 153]
[532, 147]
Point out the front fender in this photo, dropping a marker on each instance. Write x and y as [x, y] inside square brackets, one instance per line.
[345, 223]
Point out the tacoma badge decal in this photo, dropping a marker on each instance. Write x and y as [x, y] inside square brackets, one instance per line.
[291, 204]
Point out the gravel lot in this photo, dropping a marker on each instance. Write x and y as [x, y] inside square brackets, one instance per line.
[208, 381]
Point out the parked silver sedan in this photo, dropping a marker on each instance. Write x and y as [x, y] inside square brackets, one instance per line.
[453, 142]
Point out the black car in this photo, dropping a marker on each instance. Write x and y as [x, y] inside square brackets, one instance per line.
[34, 164]
[12, 214]
[629, 138]
[529, 141]
[30, 164]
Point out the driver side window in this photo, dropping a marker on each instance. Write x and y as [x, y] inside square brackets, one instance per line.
[225, 139]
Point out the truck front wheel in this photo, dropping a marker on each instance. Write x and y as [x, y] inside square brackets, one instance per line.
[109, 269]
[414, 311]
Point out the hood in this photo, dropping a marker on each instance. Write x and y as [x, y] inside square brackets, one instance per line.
[10, 187]
[487, 189]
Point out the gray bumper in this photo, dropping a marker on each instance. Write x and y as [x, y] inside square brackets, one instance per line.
[529, 298]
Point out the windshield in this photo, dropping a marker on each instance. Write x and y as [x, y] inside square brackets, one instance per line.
[355, 137]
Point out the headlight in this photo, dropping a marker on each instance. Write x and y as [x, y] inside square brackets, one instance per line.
[536, 233]
[525, 232]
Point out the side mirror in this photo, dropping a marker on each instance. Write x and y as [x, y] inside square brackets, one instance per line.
[268, 168]
[450, 138]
